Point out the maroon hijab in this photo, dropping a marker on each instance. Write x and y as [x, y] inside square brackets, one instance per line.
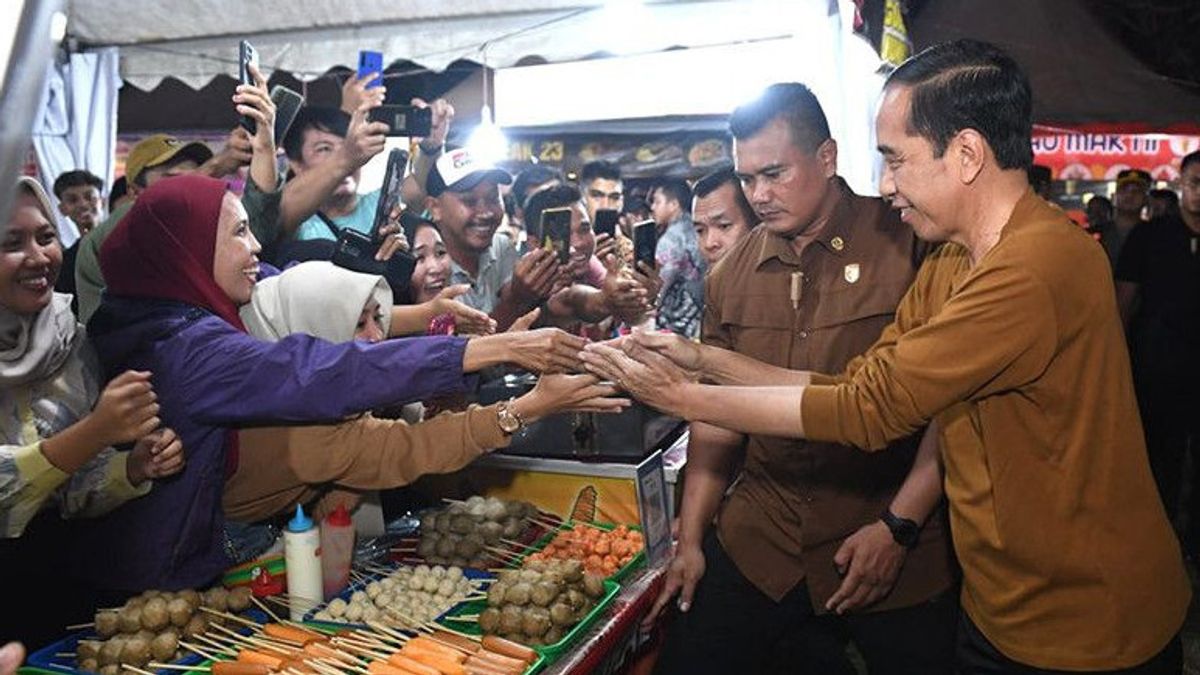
[163, 248]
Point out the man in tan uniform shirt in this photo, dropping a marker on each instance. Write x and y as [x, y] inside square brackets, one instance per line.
[1009, 341]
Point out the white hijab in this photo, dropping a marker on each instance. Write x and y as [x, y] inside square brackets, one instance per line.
[33, 348]
[317, 298]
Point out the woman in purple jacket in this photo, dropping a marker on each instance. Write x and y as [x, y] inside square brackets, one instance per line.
[177, 268]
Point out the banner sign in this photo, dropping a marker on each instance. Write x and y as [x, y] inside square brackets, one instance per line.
[1099, 157]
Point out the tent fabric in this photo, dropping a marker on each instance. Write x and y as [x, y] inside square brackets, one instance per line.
[1082, 77]
[313, 35]
[77, 127]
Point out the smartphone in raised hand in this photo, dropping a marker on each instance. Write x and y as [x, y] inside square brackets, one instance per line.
[606, 222]
[645, 241]
[287, 106]
[403, 120]
[556, 232]
[247, 56]
[371, 62]
[389, 194]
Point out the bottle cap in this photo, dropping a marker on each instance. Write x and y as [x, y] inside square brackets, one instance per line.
[301, 522]
[340, 516]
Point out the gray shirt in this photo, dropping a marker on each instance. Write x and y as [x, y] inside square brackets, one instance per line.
[496, 267]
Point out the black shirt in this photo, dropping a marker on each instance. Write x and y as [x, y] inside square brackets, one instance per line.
[1163, 257]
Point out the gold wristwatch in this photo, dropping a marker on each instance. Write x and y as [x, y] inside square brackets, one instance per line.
[510, 422]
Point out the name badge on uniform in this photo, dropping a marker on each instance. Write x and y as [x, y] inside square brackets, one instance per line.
[850, 273]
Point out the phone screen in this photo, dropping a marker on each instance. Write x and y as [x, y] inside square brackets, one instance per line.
[287, 106]
[371, 62]
[556, 232]
[606, 222]
[645, 241]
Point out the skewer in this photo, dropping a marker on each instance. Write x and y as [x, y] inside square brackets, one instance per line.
[470, 618]
[80, 626]
[473, 638]
[61, 667]
[126, 666]
[173, 666]
[510, 542]
[263, 606]
[395, 634]
[419, 561]
[316, 665]
[222, 648]
[351, 666]
[232, 617]
[360, 650]
[193, 648]
[63, 655]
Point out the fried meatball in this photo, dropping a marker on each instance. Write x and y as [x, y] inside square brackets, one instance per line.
[489, 621]
[130, 619]
[155, 616]
[163, 646]
[561, 614]
[543, 593]
[518, 594]
[108, 623]
[179, 611]
[511, 618]
[217, 598]
[192, 597]
[197, 625]
[240, 599]
[535, 621]
[135, 652]
[110, 653]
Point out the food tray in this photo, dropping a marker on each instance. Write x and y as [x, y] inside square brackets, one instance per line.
[634, 562]
[45, 660]
[549, 652]
[333, 626]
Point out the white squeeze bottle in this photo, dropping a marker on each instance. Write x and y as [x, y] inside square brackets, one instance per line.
[302, 554]
[337, 550]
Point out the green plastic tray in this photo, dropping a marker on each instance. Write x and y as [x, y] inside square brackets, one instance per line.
[549, 652]
[634, 562]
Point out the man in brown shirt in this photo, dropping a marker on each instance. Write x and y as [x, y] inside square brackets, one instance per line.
[800, 532]
[1010, 341]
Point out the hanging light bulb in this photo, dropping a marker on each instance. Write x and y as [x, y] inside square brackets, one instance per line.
[487, 141]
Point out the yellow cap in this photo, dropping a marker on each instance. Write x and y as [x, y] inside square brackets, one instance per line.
[159, 149]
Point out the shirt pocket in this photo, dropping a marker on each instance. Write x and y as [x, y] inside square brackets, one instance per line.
[759, 324]
[849, 303]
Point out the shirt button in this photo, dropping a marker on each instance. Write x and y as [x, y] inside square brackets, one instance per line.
[803, 335]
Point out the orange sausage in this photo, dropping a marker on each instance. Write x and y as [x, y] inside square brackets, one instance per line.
[299, 636]
[239, 668]
[499, 645]
[482, 664]
[251, 656]
[415, 666]
[444, 665]
[457, 641]
[381, 667]
[454, 656]
[437, 647]
[500, 659]
[477, 667]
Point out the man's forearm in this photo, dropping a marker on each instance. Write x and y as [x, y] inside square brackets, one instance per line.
[304, 194]
[487, 351]
[922, 488]
[726, 367]
[263, 170]
[770, 411]
[713, 454]
[508, 308]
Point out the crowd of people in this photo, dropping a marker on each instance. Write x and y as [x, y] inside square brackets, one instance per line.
[915, 426]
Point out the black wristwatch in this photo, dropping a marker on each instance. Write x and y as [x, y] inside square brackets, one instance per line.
[904, 531]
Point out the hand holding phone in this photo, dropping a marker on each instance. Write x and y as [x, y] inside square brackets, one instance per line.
[645, 242]
[389, 195]
[403, 120]
[371, 62]
[247, 56]
[556, 232]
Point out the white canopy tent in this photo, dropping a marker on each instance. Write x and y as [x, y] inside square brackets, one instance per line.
[554, 58]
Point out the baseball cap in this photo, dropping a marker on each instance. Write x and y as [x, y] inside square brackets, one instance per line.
[1133, 176]
[159, 149]
[459, 171]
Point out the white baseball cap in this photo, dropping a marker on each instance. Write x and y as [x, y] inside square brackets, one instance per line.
[459, 171]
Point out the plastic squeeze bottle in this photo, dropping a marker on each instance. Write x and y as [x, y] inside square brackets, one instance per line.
[337, 550]
[302, 554]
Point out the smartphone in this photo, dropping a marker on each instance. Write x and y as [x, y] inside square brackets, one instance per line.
[645, 241]
[287, 106]
[606, 222]
[556, 232]
[389, 194]
[371, 62]
[355, 251]
[247, 56]
[403, 120]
